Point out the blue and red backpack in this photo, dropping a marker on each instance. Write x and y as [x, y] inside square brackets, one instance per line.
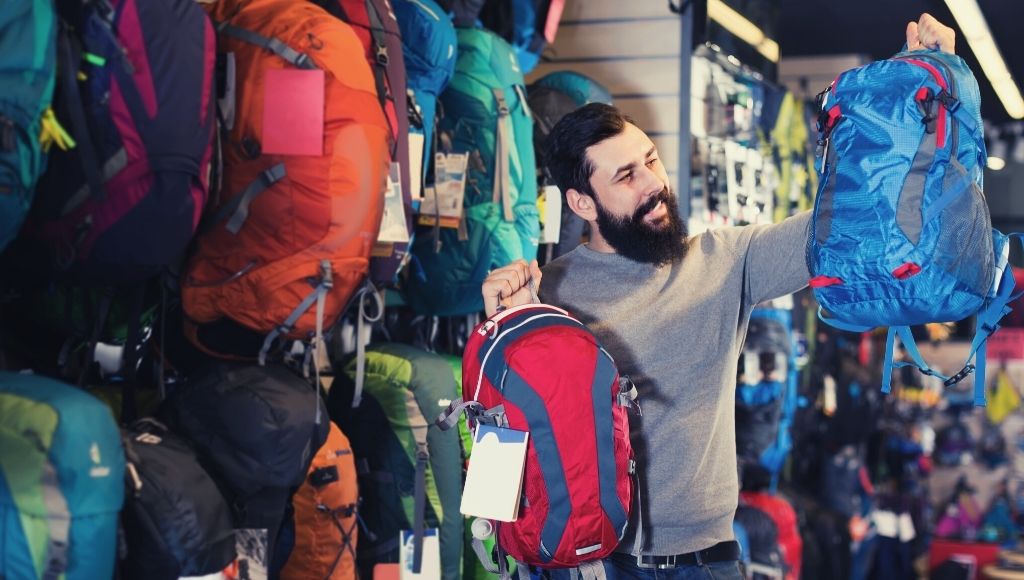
[530, 368]
[901, 233]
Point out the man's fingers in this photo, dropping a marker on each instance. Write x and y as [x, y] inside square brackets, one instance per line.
[913, 36]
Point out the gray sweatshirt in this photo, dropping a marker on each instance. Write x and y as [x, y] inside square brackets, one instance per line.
[677, 331]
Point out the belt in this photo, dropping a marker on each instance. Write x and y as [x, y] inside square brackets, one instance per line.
[720, 552]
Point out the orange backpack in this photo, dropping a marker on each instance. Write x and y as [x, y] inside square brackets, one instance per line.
[288, 242]
[325, 515]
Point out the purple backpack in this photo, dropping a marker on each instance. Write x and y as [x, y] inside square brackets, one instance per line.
[135, 91]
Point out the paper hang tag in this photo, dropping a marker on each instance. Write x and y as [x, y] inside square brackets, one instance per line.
[447, 195]
[552, 215]
[293, 112]
[494, 480]
[415, 167]
[393, 227]
[430, 568]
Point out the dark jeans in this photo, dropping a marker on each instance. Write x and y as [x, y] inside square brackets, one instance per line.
[623, 567]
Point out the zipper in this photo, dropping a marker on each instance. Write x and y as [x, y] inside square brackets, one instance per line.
[932, 65]
[245, 270]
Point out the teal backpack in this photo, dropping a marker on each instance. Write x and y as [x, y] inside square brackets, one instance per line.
[28, 45]
[485, 115]
[61, 481]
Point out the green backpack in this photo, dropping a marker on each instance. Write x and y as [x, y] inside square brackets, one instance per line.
[405, 389]
[28, 55]
[62, 472]
[485, 115]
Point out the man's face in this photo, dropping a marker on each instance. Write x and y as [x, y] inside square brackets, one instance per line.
[637, 214]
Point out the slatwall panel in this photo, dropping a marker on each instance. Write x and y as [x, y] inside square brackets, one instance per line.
[632, 48]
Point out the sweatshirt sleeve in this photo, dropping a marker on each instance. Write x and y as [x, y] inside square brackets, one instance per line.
[776, 263]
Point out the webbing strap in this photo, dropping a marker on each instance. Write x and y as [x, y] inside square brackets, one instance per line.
[296, 58]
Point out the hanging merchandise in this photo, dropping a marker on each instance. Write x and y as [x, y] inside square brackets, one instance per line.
[27, 125]
[326, 515]
[61, 481]
[255, 430]
[509, 388]
[766, 394]
[375, 24]
[307, 155]
[176, 521]
[135, 93]
[528, 25]
[962, 515]
[781, 512]
[766, 561]
[551, 97]
[429, 46]
[789, 138]
[486, 118]
[410, 475]
[1003, 398]
[882, 259]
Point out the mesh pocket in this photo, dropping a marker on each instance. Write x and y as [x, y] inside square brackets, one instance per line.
[964, 247]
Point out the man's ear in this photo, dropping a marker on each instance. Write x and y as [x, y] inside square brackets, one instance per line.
[581, 204]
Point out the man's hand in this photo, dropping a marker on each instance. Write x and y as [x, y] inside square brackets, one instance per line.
[928, 32]
[511, 285]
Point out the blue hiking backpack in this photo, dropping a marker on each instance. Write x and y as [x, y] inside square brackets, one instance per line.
[62, 482]
[486, 116]
[28, 43]
[429, 46]
[766, 393]
[901, 233]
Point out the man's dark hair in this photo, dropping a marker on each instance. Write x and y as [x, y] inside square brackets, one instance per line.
[566, 154]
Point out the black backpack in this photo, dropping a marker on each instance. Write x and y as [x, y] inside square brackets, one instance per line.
[175, 519]
[256, 430]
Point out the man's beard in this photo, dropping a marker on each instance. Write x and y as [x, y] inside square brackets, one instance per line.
[637, 240]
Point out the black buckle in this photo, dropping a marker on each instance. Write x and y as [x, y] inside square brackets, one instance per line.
[382, 55]
[949, 101]
[967, 370]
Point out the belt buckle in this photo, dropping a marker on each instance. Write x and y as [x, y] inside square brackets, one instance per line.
[668, 562]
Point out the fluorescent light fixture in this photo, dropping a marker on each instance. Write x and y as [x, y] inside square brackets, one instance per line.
[997, 152]
[743, 29]
[972, 23]
[996, 163]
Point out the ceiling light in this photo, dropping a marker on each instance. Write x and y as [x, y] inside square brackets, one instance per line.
[743, 29]
[997, 154]
[972, 23]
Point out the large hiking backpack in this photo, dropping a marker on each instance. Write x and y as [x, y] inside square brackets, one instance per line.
[61, 481]
[528, 25]
[763, 536]
[176, 521]
[552, 97]
[326, 512]
[288, 243]
[782, 513]
[28, 42]
[901, 233]
[410, 475]
[766, 393]
[374, 23]
[429, 48]
[135, 92]
[255, 430]
[486, 116]
[576, 484]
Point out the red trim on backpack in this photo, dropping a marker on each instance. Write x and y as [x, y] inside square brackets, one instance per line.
[906, 271]
[833, 116]
[940, 132]
[922, 94]
[823, 281]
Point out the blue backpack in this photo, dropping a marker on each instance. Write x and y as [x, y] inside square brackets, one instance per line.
[901, 233]
[429, 46]
[62, 481]
[28, 43]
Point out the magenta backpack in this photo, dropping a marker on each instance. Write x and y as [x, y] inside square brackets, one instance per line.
[135, 92]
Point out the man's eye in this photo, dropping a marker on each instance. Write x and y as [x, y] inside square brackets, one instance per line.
[651, 162]
[627, 177]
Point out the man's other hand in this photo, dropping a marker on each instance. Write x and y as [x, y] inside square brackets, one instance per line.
[928, 32]
[511, 286]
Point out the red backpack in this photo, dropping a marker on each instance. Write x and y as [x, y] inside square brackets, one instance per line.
[543, 366]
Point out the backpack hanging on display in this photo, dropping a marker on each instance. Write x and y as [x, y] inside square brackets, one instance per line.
[763, 536]
[552, 97]
[528, 25]
[410, 474]
[486, 117]
[901, 233]
[135, 92]
[782, 513]
[305, 162]
[326, 512]
[577, 482]
[175, 519]
[255, 430]
[429, 46]
[28, 29]
[61, 481]
[375, 24]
